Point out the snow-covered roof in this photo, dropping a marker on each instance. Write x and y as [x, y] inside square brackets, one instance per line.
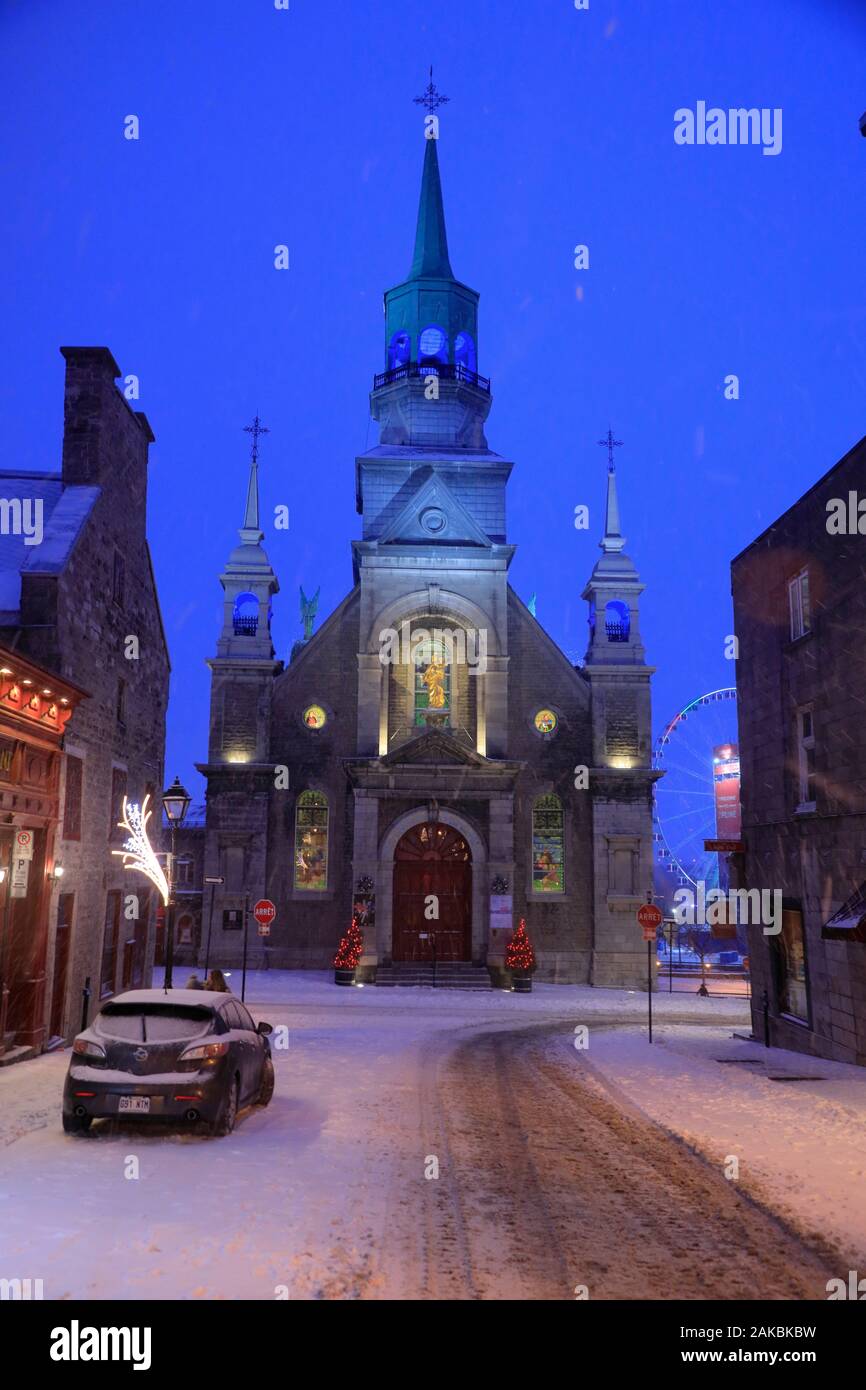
[64, 512]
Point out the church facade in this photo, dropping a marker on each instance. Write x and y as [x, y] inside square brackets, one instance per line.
[429, 758]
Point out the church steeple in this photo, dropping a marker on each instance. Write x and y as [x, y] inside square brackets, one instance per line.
[431, 239]
[614, 587]
[431, 336]
[249, 581]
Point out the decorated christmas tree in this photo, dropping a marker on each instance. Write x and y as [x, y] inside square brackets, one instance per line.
[350, 948]
[519, 955]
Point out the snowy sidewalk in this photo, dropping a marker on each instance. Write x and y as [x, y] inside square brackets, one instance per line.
[801, 1144]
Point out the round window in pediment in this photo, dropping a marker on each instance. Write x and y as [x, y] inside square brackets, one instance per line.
[545, 721]
[434, 521]
[315, 717]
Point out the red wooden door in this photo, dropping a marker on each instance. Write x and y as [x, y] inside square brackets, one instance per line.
[432, 862]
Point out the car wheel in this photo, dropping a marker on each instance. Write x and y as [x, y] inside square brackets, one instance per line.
[229, 1113]
[267, 1089]
[76, 1124]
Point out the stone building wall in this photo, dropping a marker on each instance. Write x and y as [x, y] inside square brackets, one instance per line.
[72, 623]
[816, 858]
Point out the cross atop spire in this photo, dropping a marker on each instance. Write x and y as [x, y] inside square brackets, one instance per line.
[255, 429]
[610, 444]
[251, 532]
[431, 98]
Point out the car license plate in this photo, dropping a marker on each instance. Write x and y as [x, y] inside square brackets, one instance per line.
[136, 1105]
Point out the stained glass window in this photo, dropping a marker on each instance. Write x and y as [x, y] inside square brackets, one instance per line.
[432, 681]
[545, 721]
[315, 717]
[547, 845]
[311, 842]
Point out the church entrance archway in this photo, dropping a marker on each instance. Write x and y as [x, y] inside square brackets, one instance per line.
[432, 874]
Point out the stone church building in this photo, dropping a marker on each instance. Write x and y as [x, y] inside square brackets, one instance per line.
[429, 757]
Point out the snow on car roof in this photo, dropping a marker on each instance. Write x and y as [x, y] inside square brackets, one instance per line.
[210, 998]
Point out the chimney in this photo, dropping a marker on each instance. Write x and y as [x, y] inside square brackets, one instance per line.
[100, 430]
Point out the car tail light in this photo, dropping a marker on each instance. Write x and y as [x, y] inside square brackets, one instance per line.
[78, 1094]
[83, 1047]
[205, 1051]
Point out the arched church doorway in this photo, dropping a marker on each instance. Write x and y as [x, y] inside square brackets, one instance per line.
[432, 861]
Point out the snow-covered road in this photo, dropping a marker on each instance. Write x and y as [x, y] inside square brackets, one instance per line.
[544, 1183]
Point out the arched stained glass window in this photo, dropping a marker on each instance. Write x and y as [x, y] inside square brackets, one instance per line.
[432, 683]
[311, 842]
[548, 839]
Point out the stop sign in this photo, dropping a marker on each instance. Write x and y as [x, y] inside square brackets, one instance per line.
[264, 911]
[649, 916]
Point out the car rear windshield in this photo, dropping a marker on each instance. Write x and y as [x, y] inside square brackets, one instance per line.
[154, 1022]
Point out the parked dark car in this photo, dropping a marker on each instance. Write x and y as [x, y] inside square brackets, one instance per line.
[186, 1055]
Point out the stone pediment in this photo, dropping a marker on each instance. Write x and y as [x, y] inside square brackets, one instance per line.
[434, 514]
[434, 746]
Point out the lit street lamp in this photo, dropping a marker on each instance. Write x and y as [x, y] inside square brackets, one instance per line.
[175, 803]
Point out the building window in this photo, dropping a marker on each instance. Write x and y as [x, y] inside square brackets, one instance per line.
[108, 968]
[311, 842]
[399, 350]
[432, 681]
[790, 966]
[118, 579]
[799, 606]
[548, 837]
[184, 868]
[806, 759]
[72, 799]
[545, 722]
[465, 358]
[185, 926]
[118, 792]
[233, 919]
[121, 703]
[617, 621]
[315, 717]
[245, 615]
[432, 345]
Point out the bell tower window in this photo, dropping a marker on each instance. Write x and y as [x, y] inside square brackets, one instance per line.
[245, 617]
[617, 621]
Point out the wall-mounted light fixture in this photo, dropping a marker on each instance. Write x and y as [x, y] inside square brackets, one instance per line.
[56, 872]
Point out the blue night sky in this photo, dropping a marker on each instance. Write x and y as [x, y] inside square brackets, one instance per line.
[261, 127]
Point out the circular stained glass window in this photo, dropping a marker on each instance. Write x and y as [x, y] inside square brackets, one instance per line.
[546, 721]
[315, 717]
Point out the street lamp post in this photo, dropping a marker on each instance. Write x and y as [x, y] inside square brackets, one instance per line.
[175, 803]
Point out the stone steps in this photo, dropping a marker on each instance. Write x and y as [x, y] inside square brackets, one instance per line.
[449, 975]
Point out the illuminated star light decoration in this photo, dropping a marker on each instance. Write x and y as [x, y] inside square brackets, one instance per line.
[138, 850]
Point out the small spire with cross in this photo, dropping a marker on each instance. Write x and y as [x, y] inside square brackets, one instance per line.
[431, 98]
[255, 429]
[610, 444]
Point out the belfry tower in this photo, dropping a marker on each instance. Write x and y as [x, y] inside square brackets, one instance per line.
[239, 772]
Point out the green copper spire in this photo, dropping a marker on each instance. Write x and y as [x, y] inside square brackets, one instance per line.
[431, 241]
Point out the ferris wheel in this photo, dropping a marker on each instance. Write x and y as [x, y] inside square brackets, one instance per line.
[697, 799]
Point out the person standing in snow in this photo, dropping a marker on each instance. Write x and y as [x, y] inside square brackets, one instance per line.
[216, 980]
[194, 982]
